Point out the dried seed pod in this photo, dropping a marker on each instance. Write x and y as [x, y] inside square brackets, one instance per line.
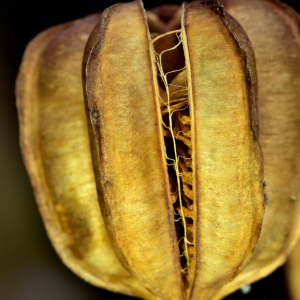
[130, 155]
[273, 29]
[177, 164]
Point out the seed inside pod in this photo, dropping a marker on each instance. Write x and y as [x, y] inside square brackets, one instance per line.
[176, 121]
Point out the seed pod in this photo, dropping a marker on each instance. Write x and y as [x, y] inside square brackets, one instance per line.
[177, 164]
[273, 29]
[130, 156]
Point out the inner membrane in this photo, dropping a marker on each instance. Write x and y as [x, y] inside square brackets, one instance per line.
[175, 117]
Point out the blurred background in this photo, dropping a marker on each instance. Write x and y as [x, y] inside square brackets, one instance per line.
[29, 267]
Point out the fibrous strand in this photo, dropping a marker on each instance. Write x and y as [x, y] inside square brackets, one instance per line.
[176, 121]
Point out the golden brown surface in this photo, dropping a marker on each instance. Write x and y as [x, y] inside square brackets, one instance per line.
[273, 29]
[55, 145]
[227, 160]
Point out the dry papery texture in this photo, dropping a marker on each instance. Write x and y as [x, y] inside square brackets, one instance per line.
[56, 150]
[181, 156]
[177, 165]
[273, 29]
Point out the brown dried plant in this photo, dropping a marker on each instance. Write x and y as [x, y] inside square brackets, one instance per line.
[150, 165]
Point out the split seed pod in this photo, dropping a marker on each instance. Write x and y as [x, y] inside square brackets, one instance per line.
[173, 129]
[213, 162]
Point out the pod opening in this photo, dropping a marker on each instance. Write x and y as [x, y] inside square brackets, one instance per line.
[176, 121]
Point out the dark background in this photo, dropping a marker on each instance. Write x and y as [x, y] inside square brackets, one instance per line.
[29, 267]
